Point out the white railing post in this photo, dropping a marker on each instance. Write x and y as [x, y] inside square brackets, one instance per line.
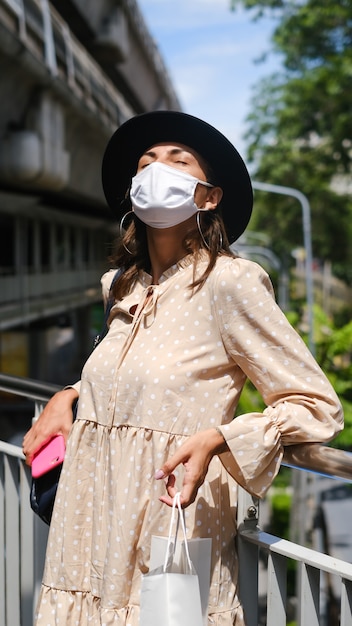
[248, 557]
[12, 531]
[23, 539]
[26, 549]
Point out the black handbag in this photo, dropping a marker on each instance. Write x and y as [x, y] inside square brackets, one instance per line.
[43, 489]
[43, 493]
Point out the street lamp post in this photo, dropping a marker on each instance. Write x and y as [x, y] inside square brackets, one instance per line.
[307, 239]
[299, 522]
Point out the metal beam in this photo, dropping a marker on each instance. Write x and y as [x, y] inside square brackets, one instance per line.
[307, 239]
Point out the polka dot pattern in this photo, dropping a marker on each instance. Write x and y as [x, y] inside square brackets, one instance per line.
[176, 366]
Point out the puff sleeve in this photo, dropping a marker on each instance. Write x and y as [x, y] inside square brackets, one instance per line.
[76, 386]
[301, 405]
[106, 281]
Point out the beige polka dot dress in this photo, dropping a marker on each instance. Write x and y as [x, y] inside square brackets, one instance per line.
[172, 366]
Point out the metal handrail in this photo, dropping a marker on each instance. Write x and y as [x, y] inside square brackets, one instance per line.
[311, 457]
[320, 459]
[26, 387]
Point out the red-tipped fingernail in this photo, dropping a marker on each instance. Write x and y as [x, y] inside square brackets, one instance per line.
[159, 474]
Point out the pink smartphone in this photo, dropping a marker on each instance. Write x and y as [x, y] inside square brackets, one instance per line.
[50, 455]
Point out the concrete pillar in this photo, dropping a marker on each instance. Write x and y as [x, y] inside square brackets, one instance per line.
[37, 354]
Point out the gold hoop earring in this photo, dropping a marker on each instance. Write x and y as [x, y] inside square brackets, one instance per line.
[202, 236]
[200, 230]
[121, 228]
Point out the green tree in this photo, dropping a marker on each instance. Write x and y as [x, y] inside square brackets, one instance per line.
[300, 126]
[334, 353]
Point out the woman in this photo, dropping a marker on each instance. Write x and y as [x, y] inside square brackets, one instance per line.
[190, 322]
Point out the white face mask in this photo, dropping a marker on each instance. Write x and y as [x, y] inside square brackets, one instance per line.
[163, 196]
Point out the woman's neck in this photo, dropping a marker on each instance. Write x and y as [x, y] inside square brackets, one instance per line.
[166, 247]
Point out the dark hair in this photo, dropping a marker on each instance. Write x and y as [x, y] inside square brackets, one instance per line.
[131, 250]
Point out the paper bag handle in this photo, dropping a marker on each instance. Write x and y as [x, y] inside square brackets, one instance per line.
[176, 504]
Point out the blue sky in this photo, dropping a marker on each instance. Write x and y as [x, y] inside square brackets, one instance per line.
[210, 53]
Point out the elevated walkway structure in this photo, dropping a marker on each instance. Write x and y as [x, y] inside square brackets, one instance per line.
[70, 73]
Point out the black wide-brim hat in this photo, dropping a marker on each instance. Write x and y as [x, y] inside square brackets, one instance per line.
[139, 133]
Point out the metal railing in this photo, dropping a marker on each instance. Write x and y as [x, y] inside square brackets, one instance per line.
[23, 537]
[49, 39]
[312, 566]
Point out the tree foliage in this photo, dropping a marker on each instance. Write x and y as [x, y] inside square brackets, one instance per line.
[334, 354]
[300, 126]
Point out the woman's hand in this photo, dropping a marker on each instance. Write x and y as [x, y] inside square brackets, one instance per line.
[55, 419]
[195, 454]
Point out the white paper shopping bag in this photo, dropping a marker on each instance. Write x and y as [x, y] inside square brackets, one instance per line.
[200, 555]
[170, 593]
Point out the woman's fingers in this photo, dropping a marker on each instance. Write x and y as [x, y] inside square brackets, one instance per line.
[195, 459]
[56, 418]
[195, 455]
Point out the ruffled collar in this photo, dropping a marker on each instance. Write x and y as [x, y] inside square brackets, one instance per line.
[184, 263]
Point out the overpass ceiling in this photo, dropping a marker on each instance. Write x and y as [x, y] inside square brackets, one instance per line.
[86, 28]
